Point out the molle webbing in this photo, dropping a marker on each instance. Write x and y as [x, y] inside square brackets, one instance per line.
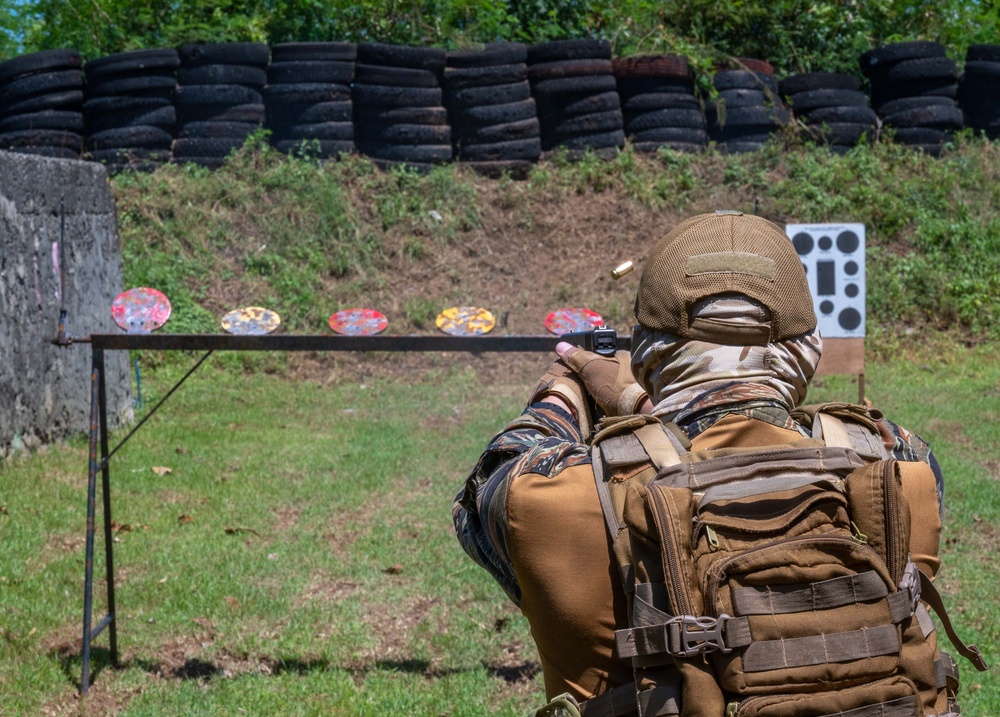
[622, 701]
[901, 707]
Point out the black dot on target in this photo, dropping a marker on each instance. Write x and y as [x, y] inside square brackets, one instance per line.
[803, 243]
[851, 290]
[849, 319]
[851, 268]
[848, 242]
[825, 243]
[826, 307]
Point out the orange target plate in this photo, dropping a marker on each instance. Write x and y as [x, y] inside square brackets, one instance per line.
[140, 310]
[465, 321]
[251, 321]
[358, 322]
[562, 321]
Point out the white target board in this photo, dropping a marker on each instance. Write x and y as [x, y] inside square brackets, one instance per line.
[834, 258]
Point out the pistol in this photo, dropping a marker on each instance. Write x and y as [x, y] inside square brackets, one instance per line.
[601, 340]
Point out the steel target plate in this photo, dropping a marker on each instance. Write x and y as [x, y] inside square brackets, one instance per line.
[251, 321]
[140, 310]
[358, 322]
[465, 321]
[562, 321]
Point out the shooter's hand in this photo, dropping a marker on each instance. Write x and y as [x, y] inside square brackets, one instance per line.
[608, 379]
[561, 386]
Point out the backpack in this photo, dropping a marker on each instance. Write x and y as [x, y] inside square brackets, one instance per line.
[769, 582]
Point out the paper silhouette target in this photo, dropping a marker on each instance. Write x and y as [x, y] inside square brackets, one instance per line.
[251, 321]
[358, 322]
[562, 321]
[465, 321]
[140, 310]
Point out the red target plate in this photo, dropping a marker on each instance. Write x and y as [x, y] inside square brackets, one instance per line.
[562, 321]
[251, 321]
[358, 322]
[140, 310]
[465, 321]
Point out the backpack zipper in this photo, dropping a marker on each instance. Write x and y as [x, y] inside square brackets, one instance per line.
[673, 567]
[889, 516]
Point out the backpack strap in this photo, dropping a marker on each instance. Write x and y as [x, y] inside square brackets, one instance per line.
[835, 431]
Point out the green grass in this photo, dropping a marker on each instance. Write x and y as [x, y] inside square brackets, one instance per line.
[299, 559]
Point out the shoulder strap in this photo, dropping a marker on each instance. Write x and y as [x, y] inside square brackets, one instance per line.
[836, 432]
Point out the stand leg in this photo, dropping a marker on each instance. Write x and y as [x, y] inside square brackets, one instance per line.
[109, 542]
[88, 581]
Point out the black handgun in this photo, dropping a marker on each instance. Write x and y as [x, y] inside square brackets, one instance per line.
[601, 340]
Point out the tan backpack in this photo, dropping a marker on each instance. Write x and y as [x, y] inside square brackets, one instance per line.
[769, 582]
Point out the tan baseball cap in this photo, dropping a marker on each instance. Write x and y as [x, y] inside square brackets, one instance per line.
[725, 253]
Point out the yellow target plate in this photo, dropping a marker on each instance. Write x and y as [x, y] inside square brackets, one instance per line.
[466, 321]
[251, 321]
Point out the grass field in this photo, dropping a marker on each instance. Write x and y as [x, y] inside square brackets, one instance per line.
[285, 547]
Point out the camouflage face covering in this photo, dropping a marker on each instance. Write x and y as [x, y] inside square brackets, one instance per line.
[676, 372]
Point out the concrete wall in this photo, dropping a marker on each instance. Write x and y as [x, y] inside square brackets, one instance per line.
[45, 389]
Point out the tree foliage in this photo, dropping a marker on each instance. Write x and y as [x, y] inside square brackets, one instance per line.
[794, 35]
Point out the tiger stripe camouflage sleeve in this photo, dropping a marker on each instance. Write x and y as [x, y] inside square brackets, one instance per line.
[544, 439]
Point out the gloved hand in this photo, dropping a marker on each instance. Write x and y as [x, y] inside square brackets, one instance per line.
[560, 380]
[608, 379]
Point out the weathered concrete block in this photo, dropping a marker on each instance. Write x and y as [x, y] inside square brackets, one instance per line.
[44, 388]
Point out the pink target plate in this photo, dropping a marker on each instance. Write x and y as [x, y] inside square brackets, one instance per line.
[140, 310]
[358, 322]
[563, 321]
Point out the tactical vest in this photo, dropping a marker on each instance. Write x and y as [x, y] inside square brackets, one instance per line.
[768, 582]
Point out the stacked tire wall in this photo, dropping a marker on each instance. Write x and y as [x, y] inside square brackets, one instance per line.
[498, 109]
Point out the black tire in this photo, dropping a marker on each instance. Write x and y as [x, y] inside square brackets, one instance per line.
[843, 132]
[426, 153]
[593, 84]
[596, 140]
[162, 117]
[488, 115]
[156, 85]
[211, 130]
[934, 116]
[691, 118]
[459, 77]
[418, 58]
[741, 116]
[744, 79]
[653, 85]
[847, 113]
[42, 138]
[686, 135]
[225, 53]
[158, 62]
[593, 123]
[505, 132]
[578, 154]
[307, 113]
[740, 147]
[569, 50]
[61, 100]
[924, 68]
[518, 169]
[922, 88]
[982, 53]
[814, 99]
[54, 152]
[982, 70]
[323, 149]
[41, 83]
[111, 105]
[217, 95]
[659, 101]
[492, 95]
[921, 135]
[47, 119]
[43, 61]
[805, 81]
[305, 93]
[127, 155]
[638, 66]
[404, 134]
[571, 105]
[879, 57]
[201, 147]
[248, 75]
[149, 137]
[909, 103]
[742, 98]
[252, 112]
[310, 72]
[518, 149]
[400, 115]
[493, 54]
[568, 68]
[742, 133]
[389, 96]
[395, 76]
[314, 52]
[337, 131]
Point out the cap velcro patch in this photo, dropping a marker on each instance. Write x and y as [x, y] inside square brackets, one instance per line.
[730, 262]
